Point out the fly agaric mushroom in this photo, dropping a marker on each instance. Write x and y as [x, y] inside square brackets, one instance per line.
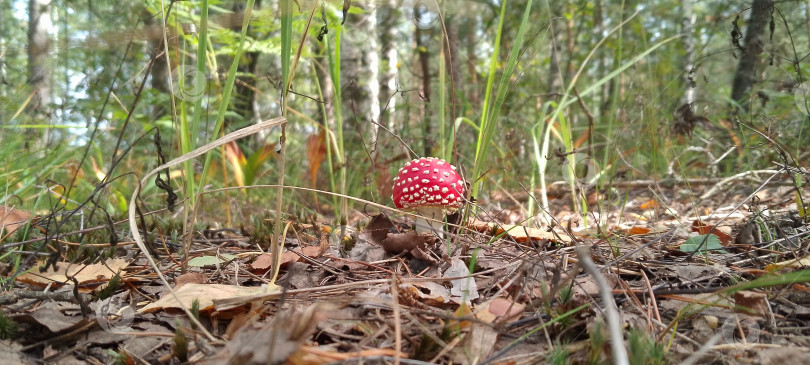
[429, 187]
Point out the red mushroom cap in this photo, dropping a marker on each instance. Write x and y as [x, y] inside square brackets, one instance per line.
[428, 182]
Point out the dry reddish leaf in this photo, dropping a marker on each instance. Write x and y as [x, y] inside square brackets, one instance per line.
[190, 278]
[316, 151]
[650, 204]
[265, 261]
[750, 302]
[11, 218]
[204, 293]
[703, 228]
[500, 310]
[636, 230]
[86, 275]
[399, 242]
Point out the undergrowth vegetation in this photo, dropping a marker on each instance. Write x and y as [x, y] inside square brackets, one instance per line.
[531, 100]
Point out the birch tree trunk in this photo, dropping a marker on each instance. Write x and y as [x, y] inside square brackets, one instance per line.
[39, 42]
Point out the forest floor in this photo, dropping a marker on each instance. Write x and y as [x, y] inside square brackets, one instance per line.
[706, 272]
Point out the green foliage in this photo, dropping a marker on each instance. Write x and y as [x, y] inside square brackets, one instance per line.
[695, 243]
[8, 328]
[180, 345]
[643, 349]
[558, 356]
[112, 286]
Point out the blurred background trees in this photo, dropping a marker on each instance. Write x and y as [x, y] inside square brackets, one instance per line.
[409, 77]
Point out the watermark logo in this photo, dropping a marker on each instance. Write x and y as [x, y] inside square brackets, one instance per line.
[581, 169]
[740, 330]
[188, 83]
[115, 315]
[801, 96]
[425, 14]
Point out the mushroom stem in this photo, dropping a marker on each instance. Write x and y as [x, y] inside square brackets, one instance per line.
[424, 225]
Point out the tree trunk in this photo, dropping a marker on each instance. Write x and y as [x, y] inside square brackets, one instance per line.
[754, 44]
[387, 16]
[39, 42]
[688, 24]
[372, 63]
[422, 36]
[244, 98]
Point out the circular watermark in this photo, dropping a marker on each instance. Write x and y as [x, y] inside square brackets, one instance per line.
[801, 96]
[739, 330]
[111, 11]
[581, 169]
[425, 14]
[188, 83]
[115, 315]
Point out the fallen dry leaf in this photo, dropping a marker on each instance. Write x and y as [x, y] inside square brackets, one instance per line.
[11, 218]
[520, 234]
[750, 302]
[429, 293]
[500, 310]
[204, 293]
[265, 261]
[87, 275]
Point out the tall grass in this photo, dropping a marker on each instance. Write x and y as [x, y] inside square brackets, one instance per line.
[493, 103]
[565, 135]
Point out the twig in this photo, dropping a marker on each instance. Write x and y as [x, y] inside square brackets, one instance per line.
[612, 312]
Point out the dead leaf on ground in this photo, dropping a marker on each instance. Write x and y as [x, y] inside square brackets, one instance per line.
[400, 242]
[265, 261]
[499, 310]
[274, 342]
[721, 232]
[378, 228]
[520, 234]
[12, 218]
[204, 293]
[190, 278]
[87, 275]
[750, 302]
[55, 316]
[429, 293]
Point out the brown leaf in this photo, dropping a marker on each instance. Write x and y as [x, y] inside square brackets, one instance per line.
[265, 261]
[85, 274]
[399, 242]
[636, 230]
[190, 278]
[750, 302]
[316, 151]
[12, 219]
[500, 310]
[378, 228]
[703, 228]
[204, 293]
[521, 234]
